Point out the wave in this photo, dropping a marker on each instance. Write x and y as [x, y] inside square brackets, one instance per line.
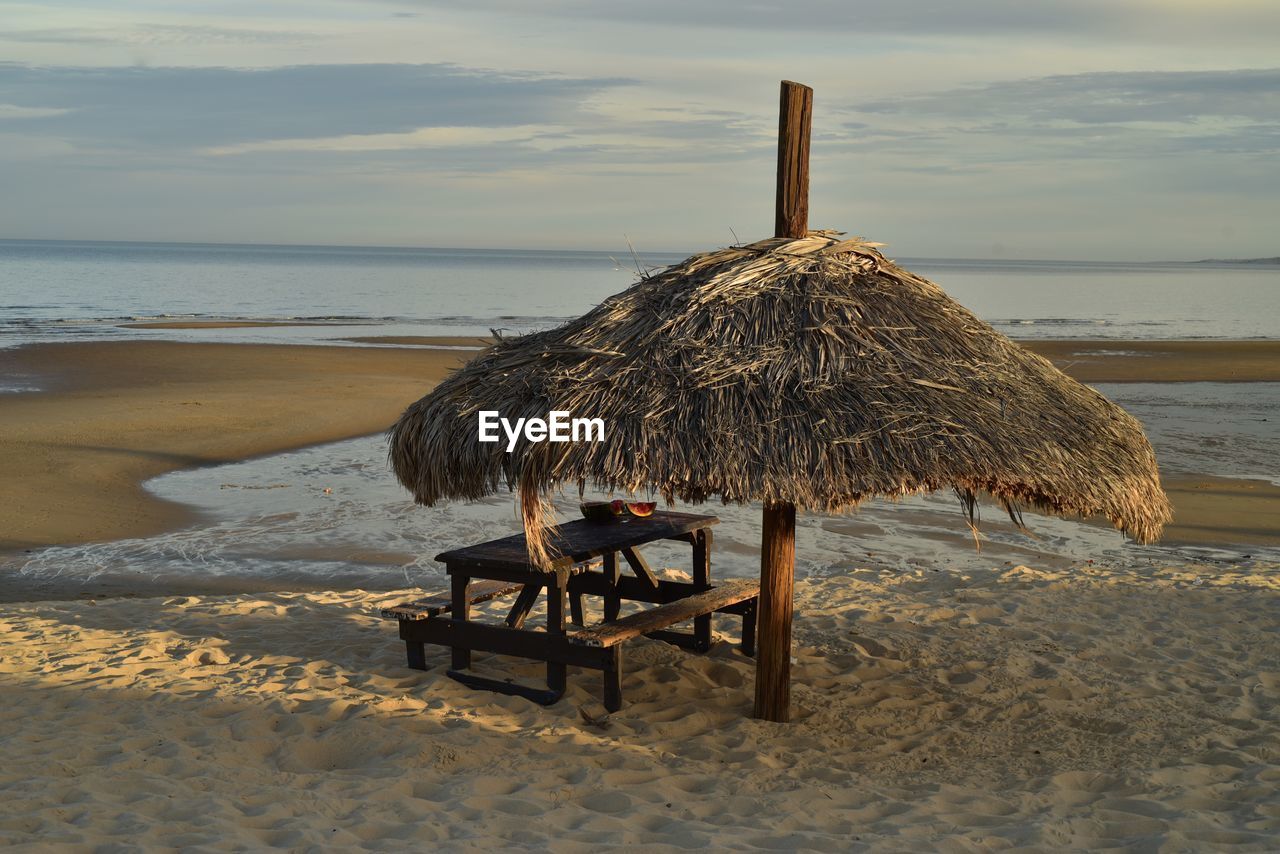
[1077, 321]
[276, 318]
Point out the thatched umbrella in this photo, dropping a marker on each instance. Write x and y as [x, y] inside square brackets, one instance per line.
[806, 371]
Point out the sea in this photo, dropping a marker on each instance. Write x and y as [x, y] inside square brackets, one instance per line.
[270, 522]
[57, 291]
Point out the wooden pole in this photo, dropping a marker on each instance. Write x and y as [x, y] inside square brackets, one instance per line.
[773, 621]
[778, 545]
[795, 115]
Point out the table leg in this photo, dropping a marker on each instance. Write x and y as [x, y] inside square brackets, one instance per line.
[612, 601]
[749, 631]
[557, 584]
[702, 578]
[460, 611]
[417, 654]
[613, 680]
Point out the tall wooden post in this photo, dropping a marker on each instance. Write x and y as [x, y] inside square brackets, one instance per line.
[795, 116]
[778, 546]
[773, 621]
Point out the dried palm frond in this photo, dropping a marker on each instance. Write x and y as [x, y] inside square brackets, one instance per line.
[811, 370]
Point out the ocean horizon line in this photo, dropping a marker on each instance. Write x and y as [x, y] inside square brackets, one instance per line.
[621, 255]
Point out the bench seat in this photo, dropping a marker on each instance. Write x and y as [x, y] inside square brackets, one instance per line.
[434, 606]
[598, 647]
[718, 598]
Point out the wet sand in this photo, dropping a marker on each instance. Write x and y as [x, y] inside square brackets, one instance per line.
[419, 341]
[228, 324]
[1207, 510]
[1097, 361]
[1215, 510]
[112, 415]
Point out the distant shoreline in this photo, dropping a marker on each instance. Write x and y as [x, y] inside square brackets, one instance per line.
[1262, 262]
[612, 253]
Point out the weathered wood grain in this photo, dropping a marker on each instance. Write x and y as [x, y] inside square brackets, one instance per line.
[654, 619]
[777, 578]
[795, 116]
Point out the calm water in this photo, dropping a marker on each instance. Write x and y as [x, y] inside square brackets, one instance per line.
[60, 290]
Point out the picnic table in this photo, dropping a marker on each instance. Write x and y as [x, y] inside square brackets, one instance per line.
[587, 564]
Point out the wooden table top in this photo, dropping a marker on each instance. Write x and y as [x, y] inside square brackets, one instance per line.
[580, 540]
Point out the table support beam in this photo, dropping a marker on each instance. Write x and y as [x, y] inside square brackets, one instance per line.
[523, 605]
[702, 581]
[557, 673]
[640, 567]
[612, 599]
[460, 611]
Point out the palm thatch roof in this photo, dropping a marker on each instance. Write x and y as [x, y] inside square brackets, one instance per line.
[811, 370]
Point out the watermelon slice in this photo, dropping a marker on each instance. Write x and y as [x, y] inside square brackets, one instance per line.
[642, 508]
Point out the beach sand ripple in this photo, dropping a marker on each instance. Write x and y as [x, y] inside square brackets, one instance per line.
[945, 711]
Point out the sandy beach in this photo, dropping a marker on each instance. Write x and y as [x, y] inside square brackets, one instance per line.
[1013, 707]
[1009, 709]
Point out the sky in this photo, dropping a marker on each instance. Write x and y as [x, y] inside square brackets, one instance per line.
[1091, 129]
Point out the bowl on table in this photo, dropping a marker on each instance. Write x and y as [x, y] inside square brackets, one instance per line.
[601, 512]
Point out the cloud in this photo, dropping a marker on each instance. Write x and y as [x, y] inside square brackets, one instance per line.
[1081, 116]
[1106, 97]
[163, 108]
[1106, 19]
[374, 119]
[637, 142]
[13, 111]
[150, 35]
[581, 151]
[422, 138]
